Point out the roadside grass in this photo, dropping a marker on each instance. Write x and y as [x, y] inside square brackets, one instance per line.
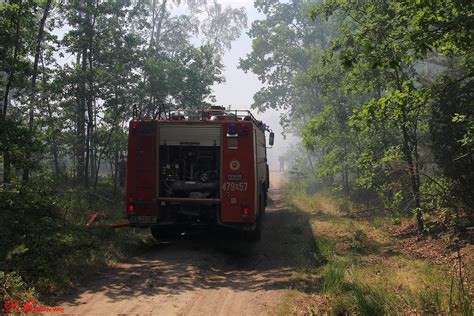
[360, 267]
[285, 306]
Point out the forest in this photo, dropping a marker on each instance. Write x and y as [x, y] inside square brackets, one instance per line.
[381, 94]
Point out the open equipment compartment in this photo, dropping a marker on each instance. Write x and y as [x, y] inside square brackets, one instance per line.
[189, 173]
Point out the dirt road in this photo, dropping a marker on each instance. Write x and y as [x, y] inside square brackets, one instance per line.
[203, 275]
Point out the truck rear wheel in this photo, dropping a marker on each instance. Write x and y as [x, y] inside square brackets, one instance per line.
[164, 233]
[256, 234]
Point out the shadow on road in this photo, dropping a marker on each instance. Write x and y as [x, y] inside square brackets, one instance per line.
[214, 261]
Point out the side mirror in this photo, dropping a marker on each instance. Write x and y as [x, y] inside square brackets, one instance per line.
[271, 139]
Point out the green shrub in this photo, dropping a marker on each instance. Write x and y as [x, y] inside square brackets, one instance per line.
[332, 278]
[431, 301]
[460, 300]
[48, 245]
[342, 305]
[369, 301]
[345, 207]
[397, 220]
[12, 287]
[361, 243]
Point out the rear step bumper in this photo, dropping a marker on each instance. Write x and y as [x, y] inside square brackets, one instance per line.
[176, 200]
[235, 226]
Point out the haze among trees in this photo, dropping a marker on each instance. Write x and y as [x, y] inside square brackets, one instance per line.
[381, 93]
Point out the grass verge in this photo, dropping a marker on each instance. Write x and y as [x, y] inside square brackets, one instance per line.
[361, 267]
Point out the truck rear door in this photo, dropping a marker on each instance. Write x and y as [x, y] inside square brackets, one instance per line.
[142, 173]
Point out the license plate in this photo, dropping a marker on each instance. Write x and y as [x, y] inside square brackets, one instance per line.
[146, 219]
[234, 177]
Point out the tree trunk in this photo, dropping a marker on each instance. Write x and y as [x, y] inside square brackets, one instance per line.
[80, 128]
[106, 145]
[116, 172]
[346, 181]
[310, 161]
[34, 75]
[413, 171]
[153, 25]
[54, 144]
[88, 68]
[160, 22]
[11, 75]
[407, 147]
[6, 96]
[346, 171]
[91, 99]
[156, 25]
[7, 169]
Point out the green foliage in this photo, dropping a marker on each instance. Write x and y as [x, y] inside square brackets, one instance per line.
[112, 56]
[451, 129]
[328, 131]
[12, 287]
[285, 45]
[223, 26]
[359, 242]
[378, 115]
[16, 21]
[438, 192]
[44, 241]
[34, 235]
[18, 141]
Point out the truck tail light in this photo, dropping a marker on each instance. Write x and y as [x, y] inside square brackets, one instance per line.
[131, 208]
[134, 124]
[246, 213]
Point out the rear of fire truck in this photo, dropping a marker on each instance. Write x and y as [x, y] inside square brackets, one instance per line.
[185, 173]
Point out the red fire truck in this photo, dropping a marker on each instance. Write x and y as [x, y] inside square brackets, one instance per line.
[205, 170]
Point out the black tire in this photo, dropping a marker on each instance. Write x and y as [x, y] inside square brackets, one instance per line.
[256, 234]
[164, 233]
